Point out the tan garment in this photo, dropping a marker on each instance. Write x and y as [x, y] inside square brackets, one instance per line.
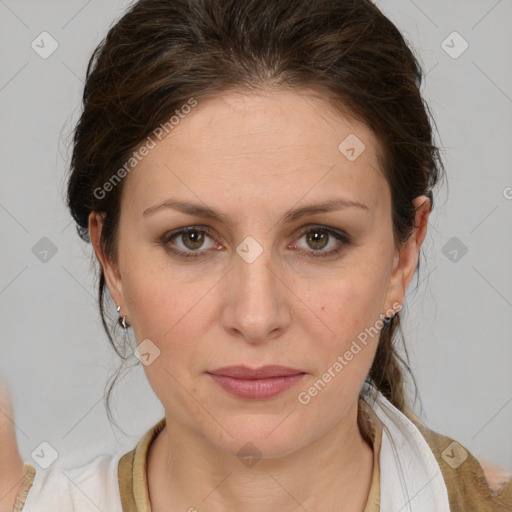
[26, 484]
[468, 490]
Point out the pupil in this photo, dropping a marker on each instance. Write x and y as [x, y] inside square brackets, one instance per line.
[317, 236]
[198, 238]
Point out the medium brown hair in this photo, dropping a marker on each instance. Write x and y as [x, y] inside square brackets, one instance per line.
[161, 53]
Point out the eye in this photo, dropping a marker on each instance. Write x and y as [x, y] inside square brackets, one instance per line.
[320, 237]
[191, 238]
[189, 242]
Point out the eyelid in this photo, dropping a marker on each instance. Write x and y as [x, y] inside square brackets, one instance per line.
[341, 236]
[324, 227]
[169, 235]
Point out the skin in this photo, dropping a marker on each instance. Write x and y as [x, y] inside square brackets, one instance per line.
[11, 463]
[253, 157]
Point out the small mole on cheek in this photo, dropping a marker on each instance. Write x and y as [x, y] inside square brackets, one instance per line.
[322, 308]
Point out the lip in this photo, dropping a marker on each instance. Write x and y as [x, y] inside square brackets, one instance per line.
[256, 383]
[263, 372]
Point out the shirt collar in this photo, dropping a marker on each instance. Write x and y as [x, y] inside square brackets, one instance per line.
[132, 469]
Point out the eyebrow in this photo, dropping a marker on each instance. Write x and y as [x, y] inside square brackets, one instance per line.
[290, 216]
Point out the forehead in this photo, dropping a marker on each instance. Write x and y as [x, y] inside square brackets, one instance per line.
[275, 145]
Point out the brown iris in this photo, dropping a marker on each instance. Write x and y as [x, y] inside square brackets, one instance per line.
[196, 238]
[317, 237]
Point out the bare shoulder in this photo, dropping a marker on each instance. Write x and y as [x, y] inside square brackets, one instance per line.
[11, 463]
[496, 476]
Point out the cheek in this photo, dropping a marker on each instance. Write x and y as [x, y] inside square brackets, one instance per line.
[162, 312]
[345, 355]
[165, 315]
[349, 308]
[353, 299]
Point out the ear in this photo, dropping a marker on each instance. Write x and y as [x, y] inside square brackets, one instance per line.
[110, 268]
[406, 257]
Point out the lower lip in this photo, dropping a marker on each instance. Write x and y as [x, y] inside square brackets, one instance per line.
[257, 389]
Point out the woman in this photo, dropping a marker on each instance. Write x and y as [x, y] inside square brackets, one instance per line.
[256, 179]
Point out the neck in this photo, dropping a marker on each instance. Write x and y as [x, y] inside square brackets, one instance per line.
[332, 473]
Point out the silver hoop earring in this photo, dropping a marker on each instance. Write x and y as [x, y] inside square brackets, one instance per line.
[122, 319]
[387, 319]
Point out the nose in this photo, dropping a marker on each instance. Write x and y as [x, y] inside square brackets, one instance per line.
[256, 306]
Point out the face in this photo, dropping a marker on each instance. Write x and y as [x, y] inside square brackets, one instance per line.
[271, 279]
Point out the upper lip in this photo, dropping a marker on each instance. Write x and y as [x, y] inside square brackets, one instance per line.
[263, 372]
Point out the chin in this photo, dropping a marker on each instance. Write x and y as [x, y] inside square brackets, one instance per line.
[259, 436]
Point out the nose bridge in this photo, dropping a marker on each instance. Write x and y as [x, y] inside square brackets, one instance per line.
[255, 307]
[253, 273]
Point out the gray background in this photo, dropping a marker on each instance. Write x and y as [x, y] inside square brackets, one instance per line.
[55, 357]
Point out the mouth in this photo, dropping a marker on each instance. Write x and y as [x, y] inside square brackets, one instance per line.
[256, 383]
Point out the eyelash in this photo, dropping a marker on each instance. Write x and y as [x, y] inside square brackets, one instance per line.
[339, 235]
